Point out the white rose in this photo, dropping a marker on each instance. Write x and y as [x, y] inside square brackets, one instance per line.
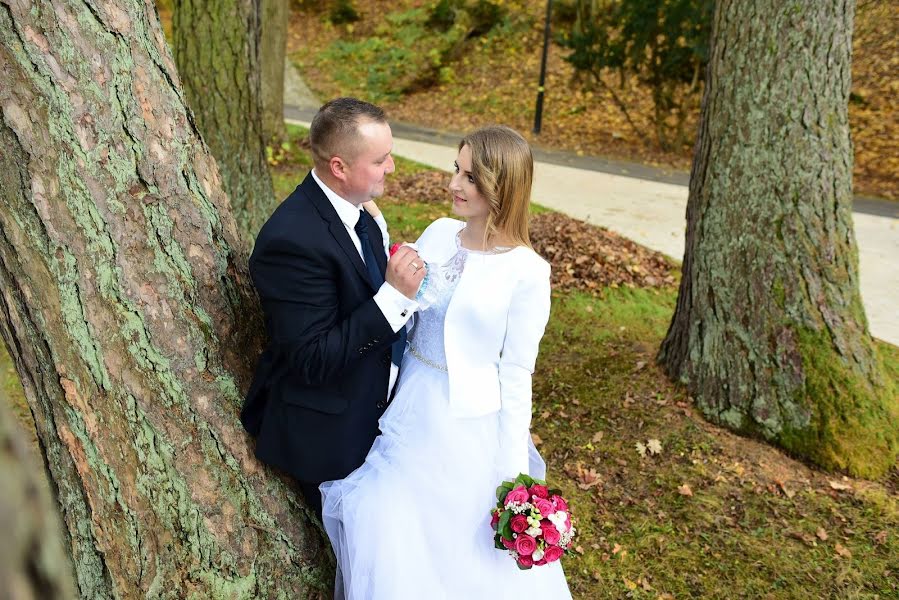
[538, 554]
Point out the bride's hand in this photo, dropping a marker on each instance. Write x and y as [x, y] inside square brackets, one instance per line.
[371, 208]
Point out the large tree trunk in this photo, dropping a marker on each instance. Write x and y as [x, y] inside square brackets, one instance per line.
[769, 333]
[126, 306]
[217, 51]
[33, 563]
[272, 56]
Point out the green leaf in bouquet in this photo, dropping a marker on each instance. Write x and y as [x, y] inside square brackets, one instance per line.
[525, 480]
[498, 542]
[501, 492]
[521, 567]
[507, 531]
[504, 521]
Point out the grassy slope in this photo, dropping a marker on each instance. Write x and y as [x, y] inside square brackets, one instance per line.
[758, 524]
[494, 77]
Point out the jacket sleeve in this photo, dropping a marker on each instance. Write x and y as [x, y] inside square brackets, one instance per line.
[299, 295]
[526, 322]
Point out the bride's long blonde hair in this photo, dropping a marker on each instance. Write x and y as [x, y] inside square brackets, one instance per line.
[502, 166]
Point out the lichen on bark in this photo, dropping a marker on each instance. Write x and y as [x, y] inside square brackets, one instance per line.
[120, 266]
[769, 334]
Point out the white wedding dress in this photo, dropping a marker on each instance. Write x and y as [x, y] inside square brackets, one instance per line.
[413, 521]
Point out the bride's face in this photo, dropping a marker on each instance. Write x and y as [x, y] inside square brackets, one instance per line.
[467, 200]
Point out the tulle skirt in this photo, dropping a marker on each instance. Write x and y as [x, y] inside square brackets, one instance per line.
[414, 520]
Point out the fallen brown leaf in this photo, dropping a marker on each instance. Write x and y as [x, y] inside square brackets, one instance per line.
[842, 550]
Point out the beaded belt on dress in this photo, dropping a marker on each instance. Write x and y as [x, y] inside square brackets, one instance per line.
[425, 360]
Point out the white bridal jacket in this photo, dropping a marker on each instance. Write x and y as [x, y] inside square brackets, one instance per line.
[492, 331]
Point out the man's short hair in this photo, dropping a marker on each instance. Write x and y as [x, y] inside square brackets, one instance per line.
[335, 128]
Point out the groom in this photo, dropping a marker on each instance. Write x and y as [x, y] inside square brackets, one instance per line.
[335, 308]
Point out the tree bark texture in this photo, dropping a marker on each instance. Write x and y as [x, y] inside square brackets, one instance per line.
[217, 50]
[126, 306]
[33, 562]
[769, 332]
[272, 56]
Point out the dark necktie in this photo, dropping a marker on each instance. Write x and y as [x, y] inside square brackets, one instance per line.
[377, 279]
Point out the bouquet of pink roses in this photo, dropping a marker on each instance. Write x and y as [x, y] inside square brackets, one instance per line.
[531, 521]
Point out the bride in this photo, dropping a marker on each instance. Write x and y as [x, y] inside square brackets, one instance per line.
[414, 520]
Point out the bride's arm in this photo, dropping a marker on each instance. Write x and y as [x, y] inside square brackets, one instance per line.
[528, 315]
[376, 214]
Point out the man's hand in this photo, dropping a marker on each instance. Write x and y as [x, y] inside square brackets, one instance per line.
[405, 271]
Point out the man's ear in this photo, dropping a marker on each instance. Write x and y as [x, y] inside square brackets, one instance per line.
[338, 168]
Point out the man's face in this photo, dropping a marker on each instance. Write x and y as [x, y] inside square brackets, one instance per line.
[365, 173]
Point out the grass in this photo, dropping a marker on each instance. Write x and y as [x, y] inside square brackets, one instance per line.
[750, 526]
[712, 515]
[457, 85]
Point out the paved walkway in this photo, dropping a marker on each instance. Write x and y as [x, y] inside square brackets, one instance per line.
[648, 205]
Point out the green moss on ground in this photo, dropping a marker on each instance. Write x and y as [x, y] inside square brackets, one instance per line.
[713, 515]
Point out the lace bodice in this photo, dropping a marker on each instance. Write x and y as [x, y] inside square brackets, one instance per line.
[426, 342]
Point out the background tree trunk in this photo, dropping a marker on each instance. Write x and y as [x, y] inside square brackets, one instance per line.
[216, 46]
[272, 57]
[769, 333]
[126, 306]
[33, 563]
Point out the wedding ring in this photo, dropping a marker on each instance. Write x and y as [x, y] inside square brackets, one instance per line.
[414, 266]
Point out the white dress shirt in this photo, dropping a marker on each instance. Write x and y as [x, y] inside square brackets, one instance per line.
[395, 307]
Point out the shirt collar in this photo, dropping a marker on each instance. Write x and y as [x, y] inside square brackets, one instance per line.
[346, 210]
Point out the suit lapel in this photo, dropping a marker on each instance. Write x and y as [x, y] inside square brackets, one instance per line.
[335, 225]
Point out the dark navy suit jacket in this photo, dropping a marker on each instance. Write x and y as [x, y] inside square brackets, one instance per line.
[321, 383]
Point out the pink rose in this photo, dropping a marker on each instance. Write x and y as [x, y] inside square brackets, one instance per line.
[539, 490]
[526, 561]
[550, 534]
[544, 506]
[494, 520]
[525, 545]
[509, 544]
[552, 553]
[559, 502]
[519, 523]
[519, 494]
[540, 562]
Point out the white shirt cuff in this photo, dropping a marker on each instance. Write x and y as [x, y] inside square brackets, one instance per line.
[397, 309]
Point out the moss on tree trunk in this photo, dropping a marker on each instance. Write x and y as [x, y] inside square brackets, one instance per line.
[126, 306]
[217, 49]
[769, 333]
[272, 54]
